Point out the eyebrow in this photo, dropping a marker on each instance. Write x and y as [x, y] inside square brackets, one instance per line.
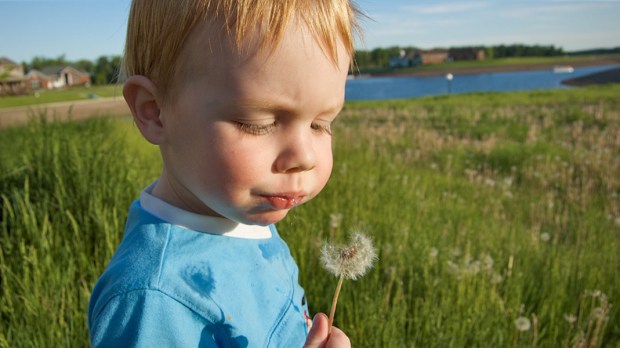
[264, 105]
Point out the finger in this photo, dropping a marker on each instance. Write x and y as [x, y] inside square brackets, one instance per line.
[338, 339]
[318, 334]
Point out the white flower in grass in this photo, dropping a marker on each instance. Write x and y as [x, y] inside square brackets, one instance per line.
[523, 324]
[545, 237]
[598, 313]
[433, 253]
[496, 278]
[487, 262]
[570, 318]
[335, 220]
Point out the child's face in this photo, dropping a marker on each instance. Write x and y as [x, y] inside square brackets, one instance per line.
[248, 138]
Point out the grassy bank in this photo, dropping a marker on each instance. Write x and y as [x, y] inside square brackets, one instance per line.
[500, 64]
[62, 95]
[490, 212]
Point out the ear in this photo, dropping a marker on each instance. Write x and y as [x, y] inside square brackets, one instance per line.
[141, 95]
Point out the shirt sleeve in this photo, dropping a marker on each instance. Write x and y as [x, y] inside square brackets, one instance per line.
[149, 318]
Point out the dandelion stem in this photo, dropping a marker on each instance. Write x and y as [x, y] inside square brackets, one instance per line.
[332, 311]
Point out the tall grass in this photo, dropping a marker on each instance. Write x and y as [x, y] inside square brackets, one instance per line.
[489, 211]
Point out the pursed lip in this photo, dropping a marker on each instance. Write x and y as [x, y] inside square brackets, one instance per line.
[285, 200]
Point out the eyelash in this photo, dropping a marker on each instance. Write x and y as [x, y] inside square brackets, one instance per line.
[260, 129]
[256, 129]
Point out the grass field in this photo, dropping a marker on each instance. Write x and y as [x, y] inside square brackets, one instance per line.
[61, 95]
[496, 217]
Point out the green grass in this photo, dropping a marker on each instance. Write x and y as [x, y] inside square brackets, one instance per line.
[485, 208]
[62, 95]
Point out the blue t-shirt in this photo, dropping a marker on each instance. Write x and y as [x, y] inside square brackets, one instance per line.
[180, 279]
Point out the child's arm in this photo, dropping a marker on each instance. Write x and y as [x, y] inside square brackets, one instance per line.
[319, 338]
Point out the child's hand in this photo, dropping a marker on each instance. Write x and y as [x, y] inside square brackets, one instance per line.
[319, 338]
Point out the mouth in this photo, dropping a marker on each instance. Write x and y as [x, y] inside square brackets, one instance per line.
[285, 200]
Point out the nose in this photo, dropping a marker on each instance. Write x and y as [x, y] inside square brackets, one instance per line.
[297, 155]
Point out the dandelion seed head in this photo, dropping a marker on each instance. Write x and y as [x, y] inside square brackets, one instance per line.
[335, 220]
[488, 262]
[598, 313]
[496, 278]
[570, 318]
[523, 324]
[433, 253]
[350, 261]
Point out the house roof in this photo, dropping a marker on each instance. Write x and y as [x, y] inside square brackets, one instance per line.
[57, 69]
[35, 72]
[7, 61]
[52, 70]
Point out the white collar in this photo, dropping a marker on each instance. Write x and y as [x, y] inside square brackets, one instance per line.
[197, 222]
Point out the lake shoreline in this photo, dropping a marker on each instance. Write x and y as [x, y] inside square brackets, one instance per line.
[442, 71]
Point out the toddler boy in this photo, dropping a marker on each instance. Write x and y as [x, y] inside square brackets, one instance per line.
[239, 96]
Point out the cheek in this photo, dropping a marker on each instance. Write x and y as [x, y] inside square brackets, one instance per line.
[240, 165]
[326, 163]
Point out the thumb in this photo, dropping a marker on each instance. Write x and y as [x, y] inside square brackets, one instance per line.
[317, 337]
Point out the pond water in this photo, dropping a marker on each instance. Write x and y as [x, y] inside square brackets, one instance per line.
[406, 87]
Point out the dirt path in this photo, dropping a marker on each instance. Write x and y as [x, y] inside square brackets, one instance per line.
[75, 110]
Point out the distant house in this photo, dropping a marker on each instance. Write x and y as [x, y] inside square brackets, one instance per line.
[57, 77]
[434, 56]
[415, 58]
[405, 59]
[457, 54]
[12, 81]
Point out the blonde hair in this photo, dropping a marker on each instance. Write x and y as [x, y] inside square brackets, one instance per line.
[157, 29]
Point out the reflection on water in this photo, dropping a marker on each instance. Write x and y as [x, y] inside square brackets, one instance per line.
[405, 87]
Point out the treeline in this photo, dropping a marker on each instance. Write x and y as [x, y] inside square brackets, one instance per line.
[510, 51]
[595, 51]
[379, 58]
[103, 71]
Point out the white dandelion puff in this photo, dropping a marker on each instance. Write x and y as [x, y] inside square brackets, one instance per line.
[598, 313]
[496, 278]
[335, 220]
[545, 237]
[350, 262]
[523, 324]
[433, 253]
[487, 262]
[570, 318]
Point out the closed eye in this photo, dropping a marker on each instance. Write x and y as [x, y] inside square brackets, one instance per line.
[256, 129]
[322, 128]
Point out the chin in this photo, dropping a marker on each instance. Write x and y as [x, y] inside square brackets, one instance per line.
[265, 218]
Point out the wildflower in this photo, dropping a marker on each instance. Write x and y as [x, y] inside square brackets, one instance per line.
[433, 253]
[335, 220]
[523, 324]
[598, 313]
[545, 237]
[350, 262]
[487, 262]
[570, 318]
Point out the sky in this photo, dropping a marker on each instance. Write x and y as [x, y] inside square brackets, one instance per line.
[89, 29]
